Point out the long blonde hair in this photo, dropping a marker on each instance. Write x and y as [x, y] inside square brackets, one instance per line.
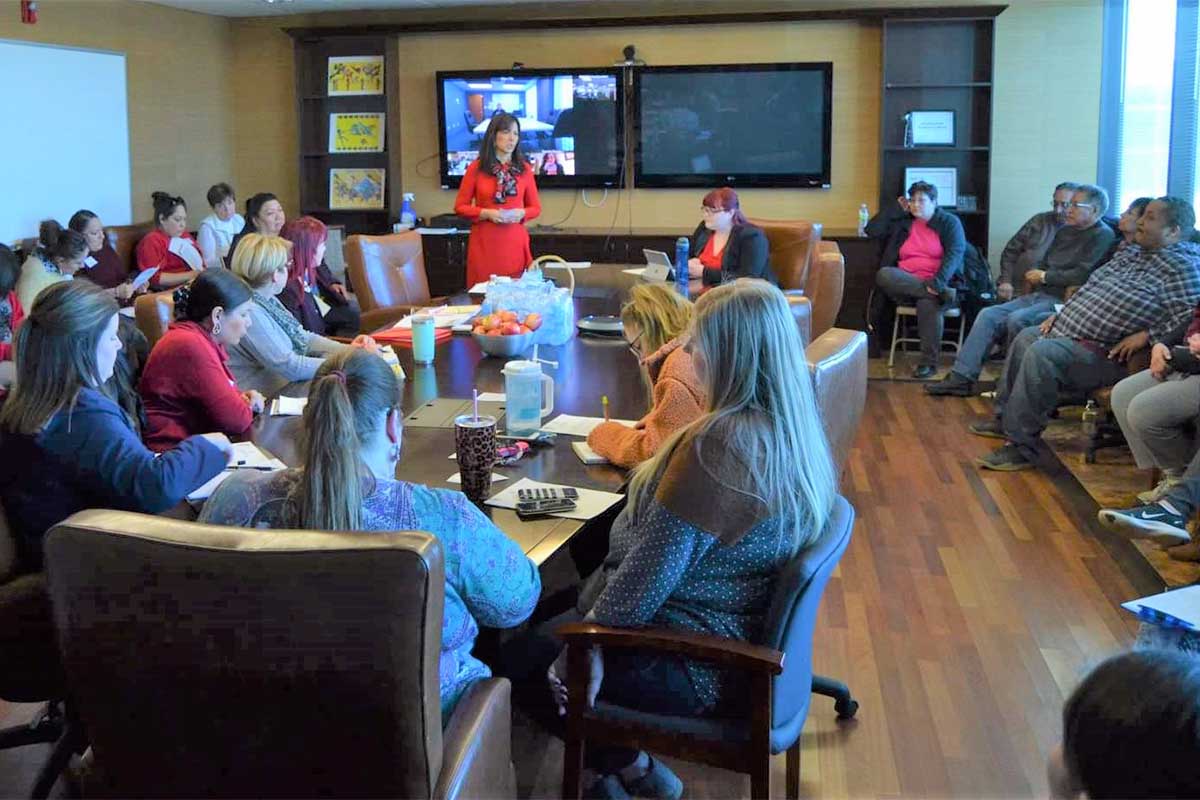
[760, 392]
[659, 312]
[348, 401]
[258, 257]
[56, 353]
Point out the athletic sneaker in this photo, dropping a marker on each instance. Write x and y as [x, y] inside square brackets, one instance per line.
[1005, 459]
[1167, 483]
[989, 428]
[1154, 522]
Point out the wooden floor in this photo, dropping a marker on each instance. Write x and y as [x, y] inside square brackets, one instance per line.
[966, 609]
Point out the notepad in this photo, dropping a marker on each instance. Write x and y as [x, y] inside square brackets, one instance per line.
[590, 503]
[288, 406]
[246, 455]
[187, 251]
[579, 426]
[586, 454]
[1178, 608]
[143, 278]
[566, 264]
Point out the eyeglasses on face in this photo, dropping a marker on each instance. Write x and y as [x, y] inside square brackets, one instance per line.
[1073, 204]
[633, 345]
[1063, 205]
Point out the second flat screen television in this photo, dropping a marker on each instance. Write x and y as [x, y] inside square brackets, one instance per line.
[763, 125]
[570, 122]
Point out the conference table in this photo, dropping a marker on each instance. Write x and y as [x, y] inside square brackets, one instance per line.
[588, 368]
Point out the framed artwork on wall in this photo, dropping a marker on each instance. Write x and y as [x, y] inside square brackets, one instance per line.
[356, 133]
[356, 189]
[944, 179]
[354, 75]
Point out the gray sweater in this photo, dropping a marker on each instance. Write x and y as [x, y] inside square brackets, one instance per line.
[1073, 255]
[264, 358]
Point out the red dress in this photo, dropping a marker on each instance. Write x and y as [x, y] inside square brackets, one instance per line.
[495, 248]
[152, 251]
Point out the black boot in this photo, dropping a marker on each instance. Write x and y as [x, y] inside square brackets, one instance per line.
[953, 385]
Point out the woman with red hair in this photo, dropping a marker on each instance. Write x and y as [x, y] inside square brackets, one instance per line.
[315, 298]
[725, 245]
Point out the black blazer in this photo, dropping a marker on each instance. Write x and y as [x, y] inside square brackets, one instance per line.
[746, 255]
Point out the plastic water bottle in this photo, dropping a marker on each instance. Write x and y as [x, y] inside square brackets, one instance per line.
[1090, 418]
[864, 216]
[408, 217]
[681, 265]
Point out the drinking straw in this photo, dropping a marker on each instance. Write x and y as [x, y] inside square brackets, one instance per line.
[476, 404]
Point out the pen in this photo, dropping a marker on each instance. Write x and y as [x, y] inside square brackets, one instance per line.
[250, 466]
[604, 404]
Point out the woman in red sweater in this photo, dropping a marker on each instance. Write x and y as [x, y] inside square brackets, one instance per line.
[169, 246]
[499, 194]
[186, 385]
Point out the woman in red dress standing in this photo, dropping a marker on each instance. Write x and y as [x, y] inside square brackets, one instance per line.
[499, 194]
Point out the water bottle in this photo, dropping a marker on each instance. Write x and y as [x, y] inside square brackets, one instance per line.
[408, 217]
[1090, 418]
[681, 265]
[864, 216]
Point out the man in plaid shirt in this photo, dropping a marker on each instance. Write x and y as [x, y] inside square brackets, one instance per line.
[1143, 294]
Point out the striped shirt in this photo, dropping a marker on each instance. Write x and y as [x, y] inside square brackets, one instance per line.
[1138, 290]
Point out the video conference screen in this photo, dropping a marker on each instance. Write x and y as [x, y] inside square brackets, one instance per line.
[749, 125]
[570, 122]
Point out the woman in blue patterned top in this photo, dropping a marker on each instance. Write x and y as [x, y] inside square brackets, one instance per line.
[710, 521]
[351, 444]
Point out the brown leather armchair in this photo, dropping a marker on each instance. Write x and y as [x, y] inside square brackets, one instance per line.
[388, 273]
[153, 312]
[213, 661]
[837, 361]
[127, 237]
[803, 262]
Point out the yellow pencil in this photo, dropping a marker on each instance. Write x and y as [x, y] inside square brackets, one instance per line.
[604, 404]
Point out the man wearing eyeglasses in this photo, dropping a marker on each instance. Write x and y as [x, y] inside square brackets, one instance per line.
[1142, 295]
[1074, 252]
[1028, 245]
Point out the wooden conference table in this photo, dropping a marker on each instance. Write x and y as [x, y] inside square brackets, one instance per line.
[588, 368]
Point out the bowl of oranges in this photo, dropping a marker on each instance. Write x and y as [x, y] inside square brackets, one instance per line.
[505, 334]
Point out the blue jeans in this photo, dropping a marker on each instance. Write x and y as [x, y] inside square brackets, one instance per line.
[1037, 371]
[1004, 320]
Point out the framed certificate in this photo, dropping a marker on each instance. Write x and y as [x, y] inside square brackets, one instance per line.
[944, 179]
[934, 128]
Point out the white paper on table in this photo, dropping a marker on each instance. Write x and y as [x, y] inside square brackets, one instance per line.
[565, 264]
[143, 278]
[187, 251]
[443, 316]
[579, 426]
[437, 231]
[479, 288]
[457, 478]
[491, 397]
[89, 262]
[635, 271]
[1182, 604]
[587, 455]
[288, 406]
[205, 491]
[590, 502]
[392, 360]
[127, 311]
[247, 454]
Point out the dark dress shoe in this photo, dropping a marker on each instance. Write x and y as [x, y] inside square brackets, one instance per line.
[953, 385]
[925, 372]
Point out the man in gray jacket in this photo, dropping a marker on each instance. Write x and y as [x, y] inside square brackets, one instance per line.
[1074, 252]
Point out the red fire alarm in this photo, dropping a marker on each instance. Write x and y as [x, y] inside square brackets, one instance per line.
[29, 12]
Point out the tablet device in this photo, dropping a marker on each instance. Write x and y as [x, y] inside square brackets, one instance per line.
[658, 265]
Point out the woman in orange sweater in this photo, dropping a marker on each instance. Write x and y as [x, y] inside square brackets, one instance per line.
[655, 319]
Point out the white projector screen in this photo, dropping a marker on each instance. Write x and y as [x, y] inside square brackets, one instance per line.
[64, 144]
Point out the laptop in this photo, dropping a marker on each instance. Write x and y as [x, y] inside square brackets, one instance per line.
[658, 266]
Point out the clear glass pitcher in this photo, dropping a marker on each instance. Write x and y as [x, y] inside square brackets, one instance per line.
[528, 396]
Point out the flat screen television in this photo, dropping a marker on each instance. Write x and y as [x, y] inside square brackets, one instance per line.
[571, 122]
[763, 125]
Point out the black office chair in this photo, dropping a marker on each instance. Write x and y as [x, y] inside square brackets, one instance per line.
[30, 668]
[779, 687]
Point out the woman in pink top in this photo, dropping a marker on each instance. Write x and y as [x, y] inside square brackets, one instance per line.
[924, 251]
